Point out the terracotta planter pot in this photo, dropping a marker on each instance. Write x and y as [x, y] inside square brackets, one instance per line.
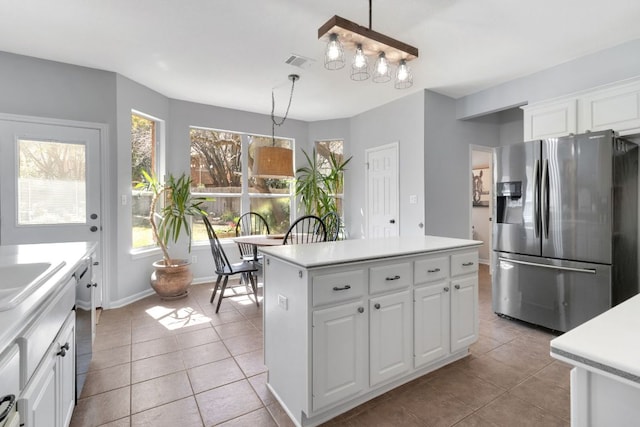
[172, 281]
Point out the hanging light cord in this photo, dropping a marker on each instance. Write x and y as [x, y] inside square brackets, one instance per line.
[274, 123]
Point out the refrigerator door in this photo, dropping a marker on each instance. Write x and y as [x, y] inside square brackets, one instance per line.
[516, 226]
[576, 197]
[552, 293]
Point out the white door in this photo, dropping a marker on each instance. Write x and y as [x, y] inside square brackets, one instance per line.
[390, 336]
[431, 322]
[50, 185]
[382, 191]
[339, 353]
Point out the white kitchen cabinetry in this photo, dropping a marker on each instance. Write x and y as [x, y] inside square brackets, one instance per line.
[49, 398]
[550, 120]
[340, 347]
[339, 323]
[615, 106]
[390, 336]
[464, 313]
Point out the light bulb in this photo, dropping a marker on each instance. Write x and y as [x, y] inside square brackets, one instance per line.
[382, 67]
[360, 60]
[334, 54]
[403, 73]
[333, 50]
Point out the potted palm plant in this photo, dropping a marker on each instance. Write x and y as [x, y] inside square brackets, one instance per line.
[172, 277]
[316, 188]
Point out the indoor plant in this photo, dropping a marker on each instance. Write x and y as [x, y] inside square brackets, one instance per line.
[316, 188]
[172, 277]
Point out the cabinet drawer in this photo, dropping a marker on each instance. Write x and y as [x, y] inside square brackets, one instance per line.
[39, 336]
[330, 288]
[430, 269]
[464, 263]
[389, 277]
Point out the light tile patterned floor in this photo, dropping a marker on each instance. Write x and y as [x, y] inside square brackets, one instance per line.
[177, 363]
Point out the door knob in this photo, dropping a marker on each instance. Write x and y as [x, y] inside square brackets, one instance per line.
[93, 216]
[392, 221]
[93, 228]
[377, 306]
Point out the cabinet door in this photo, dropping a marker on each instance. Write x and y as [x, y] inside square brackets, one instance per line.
[464, 312]
[550, 120]
[431, 317]
[339, 353]
[390, 336]
[39, 405]
[66, 371]
[616, 108]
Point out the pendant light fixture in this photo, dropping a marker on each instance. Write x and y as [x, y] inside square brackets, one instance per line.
[342, 34]
[272, 161]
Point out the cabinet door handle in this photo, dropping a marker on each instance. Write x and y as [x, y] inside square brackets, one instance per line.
[361, 310]
[343, 288]
[396, 277]
[446, 289]
[89, 285]
[377, 306]
[435, 270]
[457, 286]
[63, 350]
[467, 264]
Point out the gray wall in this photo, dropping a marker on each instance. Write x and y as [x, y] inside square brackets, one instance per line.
[447, 177]
[402, 121]
[606, 66]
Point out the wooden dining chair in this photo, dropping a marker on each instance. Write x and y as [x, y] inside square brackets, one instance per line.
[250, 223]
[224, 268]
[306, 229]
[332, 223]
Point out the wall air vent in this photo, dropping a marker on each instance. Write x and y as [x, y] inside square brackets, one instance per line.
[299, 61]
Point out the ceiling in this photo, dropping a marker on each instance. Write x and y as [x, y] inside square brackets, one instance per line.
[231, 53]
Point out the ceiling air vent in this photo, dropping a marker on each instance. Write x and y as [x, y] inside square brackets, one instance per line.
[299, 61]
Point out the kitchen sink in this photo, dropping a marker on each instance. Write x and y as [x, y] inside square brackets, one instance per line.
[17, 281]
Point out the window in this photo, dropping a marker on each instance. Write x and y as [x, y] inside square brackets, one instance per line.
[324, 151]
[145, 133]
[51, 183]
[221, 165]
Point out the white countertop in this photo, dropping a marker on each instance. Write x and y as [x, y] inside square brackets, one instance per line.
[609, 342]
[71, 254]
[345, 251]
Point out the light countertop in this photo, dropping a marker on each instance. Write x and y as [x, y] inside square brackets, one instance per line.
[609, 343]
[346, 251]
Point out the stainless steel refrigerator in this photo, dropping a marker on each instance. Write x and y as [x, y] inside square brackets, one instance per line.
[565, 228]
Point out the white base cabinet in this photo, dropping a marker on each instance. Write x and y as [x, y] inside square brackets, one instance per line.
[337, 336]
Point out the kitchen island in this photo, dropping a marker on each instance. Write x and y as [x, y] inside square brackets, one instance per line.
[347, 321]
[37, 296]
[605, 380]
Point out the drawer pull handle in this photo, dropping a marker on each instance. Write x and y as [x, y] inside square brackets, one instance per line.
[360, 310]
[467, 264]
[457, 286]
[344, 288]
[377, 306]
[63, 350]
[435, 270]
[446, 289]
[396, 277]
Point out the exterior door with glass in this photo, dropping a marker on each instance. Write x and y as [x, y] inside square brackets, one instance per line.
[49, 184]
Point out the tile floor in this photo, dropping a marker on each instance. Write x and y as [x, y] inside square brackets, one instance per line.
[159, 363]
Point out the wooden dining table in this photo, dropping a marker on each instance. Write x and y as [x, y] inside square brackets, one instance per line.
[257, 240]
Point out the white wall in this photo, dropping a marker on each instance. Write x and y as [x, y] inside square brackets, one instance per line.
[402, 121]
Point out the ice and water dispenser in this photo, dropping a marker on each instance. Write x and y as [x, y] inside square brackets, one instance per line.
[509, 202]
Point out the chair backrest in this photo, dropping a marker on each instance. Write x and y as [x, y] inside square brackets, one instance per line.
[219, 257]
[332, 223]
[306, 229]
[248, 224]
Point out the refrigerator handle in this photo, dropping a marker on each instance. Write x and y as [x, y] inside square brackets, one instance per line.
[536, 199]
[553, 267]
[545, 199]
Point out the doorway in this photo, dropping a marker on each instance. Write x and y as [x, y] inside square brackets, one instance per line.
[481, 200]
[382, 191]
[50, 184]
